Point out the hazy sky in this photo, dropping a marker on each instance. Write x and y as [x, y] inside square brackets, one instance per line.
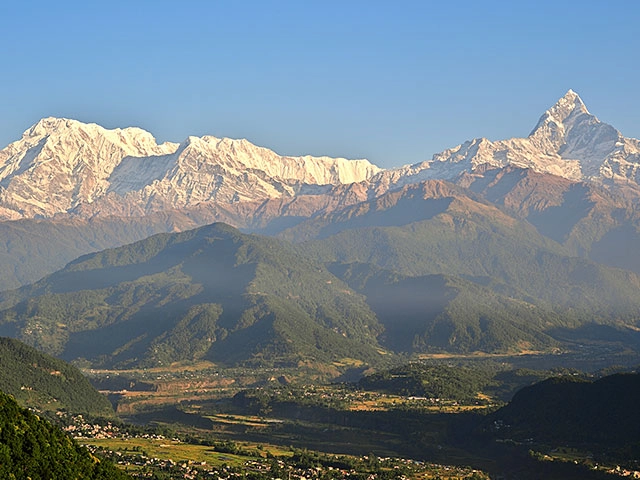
[392, 81]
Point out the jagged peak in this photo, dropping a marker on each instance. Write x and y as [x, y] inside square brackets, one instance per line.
[568, 107]
[568, 103]
[190, 140]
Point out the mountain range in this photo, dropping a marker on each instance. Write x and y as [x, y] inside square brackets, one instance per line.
[65, 166]
[68, 188]
[494, 246]
[567, 141]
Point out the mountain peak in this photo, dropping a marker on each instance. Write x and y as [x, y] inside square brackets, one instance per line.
[63, 126]
[566, 113]
[568, 103]
[47, 125]
[567, 141]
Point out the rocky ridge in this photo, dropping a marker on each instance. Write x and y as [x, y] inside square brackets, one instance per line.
[65, 166]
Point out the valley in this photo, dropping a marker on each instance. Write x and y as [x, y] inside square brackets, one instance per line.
[405, 413]
[377, 415]
[247, 314]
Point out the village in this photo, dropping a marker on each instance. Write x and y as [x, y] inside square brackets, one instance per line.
[143, 454]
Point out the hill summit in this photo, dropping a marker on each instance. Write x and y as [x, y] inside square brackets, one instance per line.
[209, 293]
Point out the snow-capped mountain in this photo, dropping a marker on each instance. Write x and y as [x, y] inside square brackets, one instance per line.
[65, 166]
[567, 141]
[227, 171]
[60, 165]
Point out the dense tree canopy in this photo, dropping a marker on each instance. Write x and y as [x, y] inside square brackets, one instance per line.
[31, 448]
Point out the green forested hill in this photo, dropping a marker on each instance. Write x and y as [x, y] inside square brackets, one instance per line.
[467, 282]
[46, 383]
[435, 313]
[463, 382]
[31, 448]
[210, 293]
[472, 239]
[572, 411]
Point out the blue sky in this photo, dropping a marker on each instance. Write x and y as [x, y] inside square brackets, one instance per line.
[394, 82]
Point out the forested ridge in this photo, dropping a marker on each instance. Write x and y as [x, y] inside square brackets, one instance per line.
[47, 383]
[32, 448]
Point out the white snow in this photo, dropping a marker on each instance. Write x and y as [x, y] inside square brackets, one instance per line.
[59, 164]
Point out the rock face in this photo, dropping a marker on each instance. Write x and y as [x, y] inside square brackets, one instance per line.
[63, 166]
